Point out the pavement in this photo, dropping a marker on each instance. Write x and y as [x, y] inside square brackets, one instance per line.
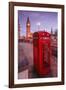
[26, 65]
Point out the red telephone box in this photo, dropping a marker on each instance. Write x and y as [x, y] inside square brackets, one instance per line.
[42, 52]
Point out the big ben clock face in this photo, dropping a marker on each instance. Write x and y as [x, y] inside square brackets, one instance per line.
[28, 24]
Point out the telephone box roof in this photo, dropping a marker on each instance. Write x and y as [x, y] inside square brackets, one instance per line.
[42, 33]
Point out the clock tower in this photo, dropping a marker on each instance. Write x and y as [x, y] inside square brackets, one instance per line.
[28, 28]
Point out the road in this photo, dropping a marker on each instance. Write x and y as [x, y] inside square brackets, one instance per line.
[25, 58]
[26, 52]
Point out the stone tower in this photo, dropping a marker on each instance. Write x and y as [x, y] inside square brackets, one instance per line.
[28, 28]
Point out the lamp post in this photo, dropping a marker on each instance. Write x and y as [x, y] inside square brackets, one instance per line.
[38, 24]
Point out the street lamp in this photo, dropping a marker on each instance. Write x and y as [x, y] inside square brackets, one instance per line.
[38, 24]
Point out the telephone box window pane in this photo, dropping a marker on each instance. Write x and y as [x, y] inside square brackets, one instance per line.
[45, 53]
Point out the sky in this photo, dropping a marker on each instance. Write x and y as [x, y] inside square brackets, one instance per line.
[39, 21]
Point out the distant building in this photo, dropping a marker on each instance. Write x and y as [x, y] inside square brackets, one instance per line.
[19, 30]
[29, 34]
[53, 34]
[53, 38]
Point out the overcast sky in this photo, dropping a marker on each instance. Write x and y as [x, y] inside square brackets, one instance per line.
[39, 20]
